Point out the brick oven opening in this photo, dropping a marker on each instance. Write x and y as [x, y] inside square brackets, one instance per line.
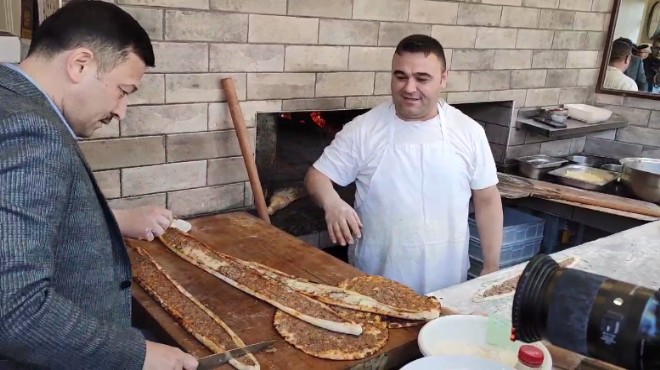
[287, 144]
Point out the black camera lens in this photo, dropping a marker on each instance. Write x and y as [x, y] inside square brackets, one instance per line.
[599, 317]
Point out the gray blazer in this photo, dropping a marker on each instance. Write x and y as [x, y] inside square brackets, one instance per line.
[636, 72]
[65, 276]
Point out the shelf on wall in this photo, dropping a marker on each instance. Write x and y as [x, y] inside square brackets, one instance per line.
[574, 128]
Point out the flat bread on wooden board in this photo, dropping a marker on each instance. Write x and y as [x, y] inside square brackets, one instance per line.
[336, 296]
[189, 312]
[507, 288]
[321, 343]
[393, 294]
[242, 277]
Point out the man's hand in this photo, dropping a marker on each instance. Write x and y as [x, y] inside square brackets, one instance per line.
[162, 357]
[343, 222]
[145, 222]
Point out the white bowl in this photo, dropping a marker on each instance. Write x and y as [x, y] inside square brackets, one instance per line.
[454, 363]
[462, 335]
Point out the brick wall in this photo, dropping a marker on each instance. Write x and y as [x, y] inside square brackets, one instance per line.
[177, 148]
[640, 139]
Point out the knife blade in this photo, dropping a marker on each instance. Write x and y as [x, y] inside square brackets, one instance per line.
[212, 361]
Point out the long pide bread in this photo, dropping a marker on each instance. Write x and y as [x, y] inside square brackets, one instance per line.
[342, 297]
[251, 282]
[334, 346]
[393, 293]
[189, 312]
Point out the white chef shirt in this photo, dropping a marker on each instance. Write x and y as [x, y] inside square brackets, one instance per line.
[617, 80]
[356, 151]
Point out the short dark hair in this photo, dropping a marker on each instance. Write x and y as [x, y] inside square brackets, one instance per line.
[106, 29]
[421, 44]
[620, 51]
[627, 41]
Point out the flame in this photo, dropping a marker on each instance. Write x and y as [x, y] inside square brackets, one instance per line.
[318, 119]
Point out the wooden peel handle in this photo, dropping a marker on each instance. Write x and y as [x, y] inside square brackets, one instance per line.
[626, 207]
[517, 187]
[246, 149]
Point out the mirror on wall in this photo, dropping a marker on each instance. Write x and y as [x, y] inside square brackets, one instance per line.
[631, 59]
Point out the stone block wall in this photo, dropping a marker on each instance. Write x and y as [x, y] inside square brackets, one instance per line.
[177, 147]
[640, 139]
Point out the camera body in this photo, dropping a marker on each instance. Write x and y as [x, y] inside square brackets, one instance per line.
[590, 314]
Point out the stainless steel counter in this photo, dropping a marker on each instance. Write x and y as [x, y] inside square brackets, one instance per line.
[632, 255]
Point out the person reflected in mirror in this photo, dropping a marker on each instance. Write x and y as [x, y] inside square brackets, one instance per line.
[643, 51]
[652, 67]
[636, 68]
[620, 58]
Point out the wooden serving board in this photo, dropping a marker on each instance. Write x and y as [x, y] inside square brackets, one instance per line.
[247, 237]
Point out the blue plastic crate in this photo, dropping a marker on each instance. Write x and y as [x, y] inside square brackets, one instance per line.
[523, 234]
[554, 228]
[513, 254]
[475, 269]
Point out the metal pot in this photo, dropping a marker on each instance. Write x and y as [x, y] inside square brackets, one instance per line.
[642, 176]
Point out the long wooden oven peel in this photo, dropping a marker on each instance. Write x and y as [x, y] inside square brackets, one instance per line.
[244, 143]
[512, 186]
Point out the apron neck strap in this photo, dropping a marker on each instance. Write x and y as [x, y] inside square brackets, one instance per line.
[442, 117]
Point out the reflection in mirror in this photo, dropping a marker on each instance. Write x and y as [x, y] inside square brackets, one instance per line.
[631, 64]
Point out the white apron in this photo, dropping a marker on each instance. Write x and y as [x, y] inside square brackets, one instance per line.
[414, 215]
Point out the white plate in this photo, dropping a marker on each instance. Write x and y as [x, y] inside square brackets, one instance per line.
[182, 225]
[461, 335]
[454, 363]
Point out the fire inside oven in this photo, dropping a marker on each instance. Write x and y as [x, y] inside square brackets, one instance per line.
[288, 143]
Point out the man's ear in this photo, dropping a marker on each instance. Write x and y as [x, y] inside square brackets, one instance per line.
[445, 75]
[79, 63]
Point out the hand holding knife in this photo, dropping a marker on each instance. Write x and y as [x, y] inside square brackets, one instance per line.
[215, 360]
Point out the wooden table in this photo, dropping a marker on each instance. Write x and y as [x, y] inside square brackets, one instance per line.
[245, 236]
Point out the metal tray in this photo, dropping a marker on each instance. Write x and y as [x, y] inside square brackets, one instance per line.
[535, 166]
[562, 176]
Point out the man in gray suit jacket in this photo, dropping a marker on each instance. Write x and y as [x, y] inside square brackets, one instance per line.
[65, 276]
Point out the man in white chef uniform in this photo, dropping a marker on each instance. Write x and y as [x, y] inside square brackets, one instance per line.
[416, 162]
